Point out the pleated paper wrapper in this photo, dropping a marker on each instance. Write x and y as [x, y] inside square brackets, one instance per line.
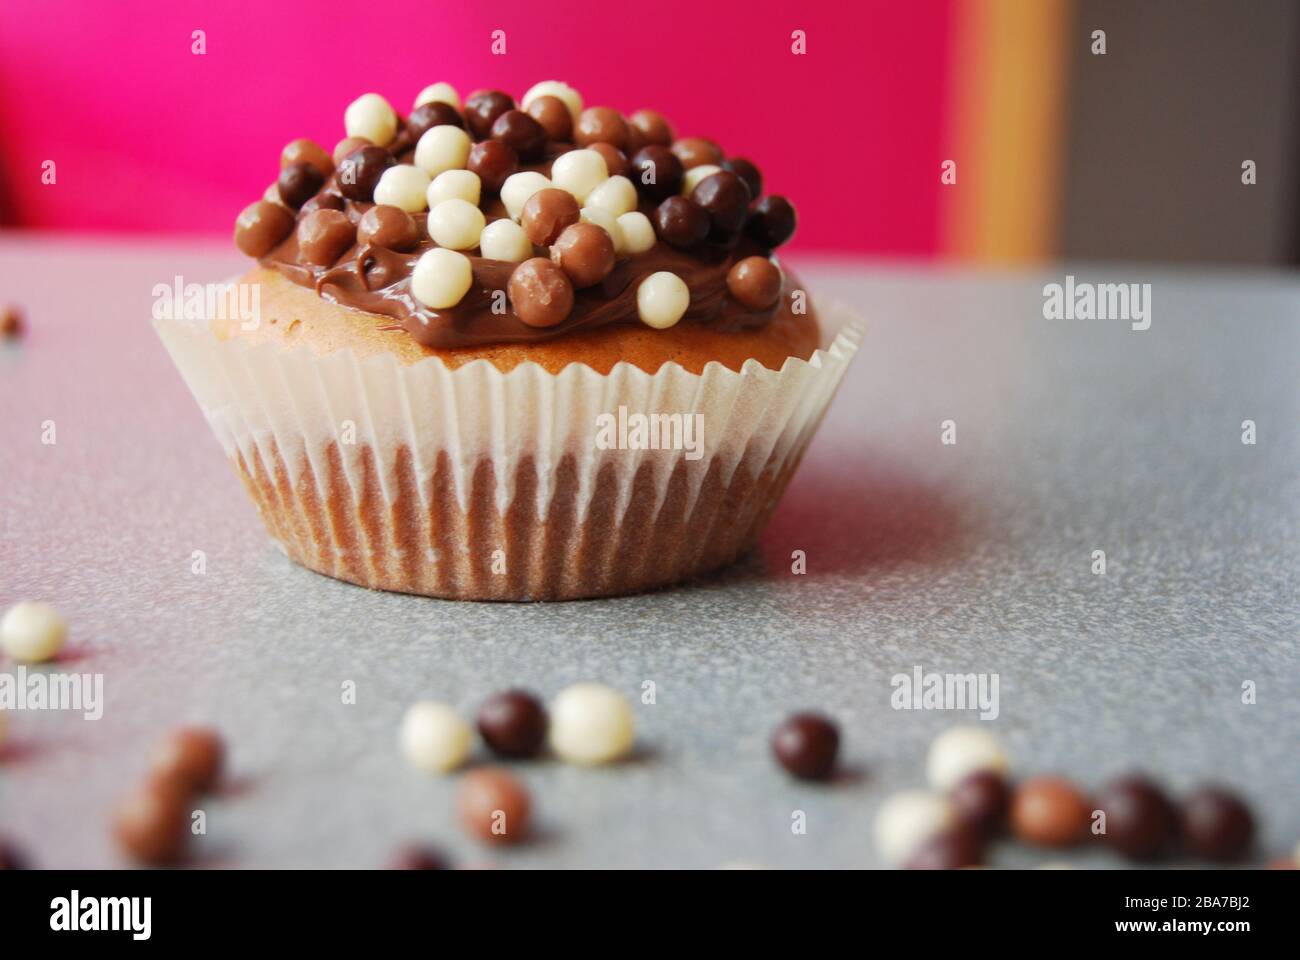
[477, 484]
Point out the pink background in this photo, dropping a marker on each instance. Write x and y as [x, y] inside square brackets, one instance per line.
[148, 137]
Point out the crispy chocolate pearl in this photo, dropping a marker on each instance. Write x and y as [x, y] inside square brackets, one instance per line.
[322, 201]
[324, 235]
[600, 125]
[193, 755]
[11, 322]
[542, 296]
[348, 145]
[806, 745]
[493, 161]
[663, 165]
[962, 846]
[615, 161]
[771, 221]
[309, 152]
[747, 172]
[419, 858]
[725, 198]
[261, 226]
[521, 132]
[1139, 818]
[513, 722]
[429, 115]
[494, 806]
[1217, 825]
[389, 227]
[553, 116]
[696, 151]
[585, 252]
[981, 801]
[482, 109]
[755, 282]
[152, 823]
[652, 126]
[547, 213]
[1049, 811]
[361, 170]
[681, 222]
[298, 183]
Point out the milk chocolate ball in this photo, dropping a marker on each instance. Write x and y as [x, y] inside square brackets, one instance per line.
[389, 227]
[755, 282]
[152, 824]
[309, 152]
[585, 252]
[494, 806]
[194, 755]
[482, 109]
[547, 213]
[261, 226]
[652, 127]
[656, 172]
[348, 145]
[600, 125]
[323, 236]
[553, 116]
[1049, 811]
[615, 160]
[696, 152]
[542, 296]
[493, 161]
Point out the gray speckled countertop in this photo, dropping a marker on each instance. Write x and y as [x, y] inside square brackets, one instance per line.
[1072, 436]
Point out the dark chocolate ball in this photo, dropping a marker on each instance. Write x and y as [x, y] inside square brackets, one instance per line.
[652, 127]
[521, 132]
[696, 152]
[585, 252]
[600, 125]
[656, 172]
[389, 227]
[324, 235]
[513, 723]
[1139, 818]
[542, 296]
[981, 801]
[806, 744]
[429, 115]
[419, 858]
[482, 109]
[746, 171]
[1217, 825]
[554, 116]
[681, 222]
[771, 221]
[261, 226]
[725, 198]
[493, 161]
[360, 172]
[11, 858]
[547, 213]
[962, 846]
[615, 161]
[195, 755]
[298, 183]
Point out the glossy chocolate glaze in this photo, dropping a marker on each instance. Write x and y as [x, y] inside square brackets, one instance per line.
[378, 281]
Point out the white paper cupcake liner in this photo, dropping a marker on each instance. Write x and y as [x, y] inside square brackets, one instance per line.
[477, 484]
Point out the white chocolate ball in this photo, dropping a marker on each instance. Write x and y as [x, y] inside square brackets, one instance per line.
[443, 147]
[907, 820]
[607, 222]
[403, 186]
[518, 188]
[554, 88]
[434, 738]
[440, 92]
[591, 724]
[456, 224]
[638, 232]
[505, 240]
[662, 299]
[370, 116]
[455, 185]
[693, 176]
[960, 751]
[32, 631]
[617, 195]
[579, 172]
[441, 278]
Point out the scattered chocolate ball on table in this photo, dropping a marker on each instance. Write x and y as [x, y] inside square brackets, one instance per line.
[909, 820]
[955, 848]
[981, 801]
[591, 724]
[1140, 821]
[1217, 824]
[434, 738]
[960, 751]
[11, 322]
[33, 631]
[152, 824]
[419, 858]
[495, 806]
[11, 858]
[513, 723]
[1049, 811]
[807, 745]
[193, 756]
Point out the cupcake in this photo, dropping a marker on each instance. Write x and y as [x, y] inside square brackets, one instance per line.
[514, 350]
